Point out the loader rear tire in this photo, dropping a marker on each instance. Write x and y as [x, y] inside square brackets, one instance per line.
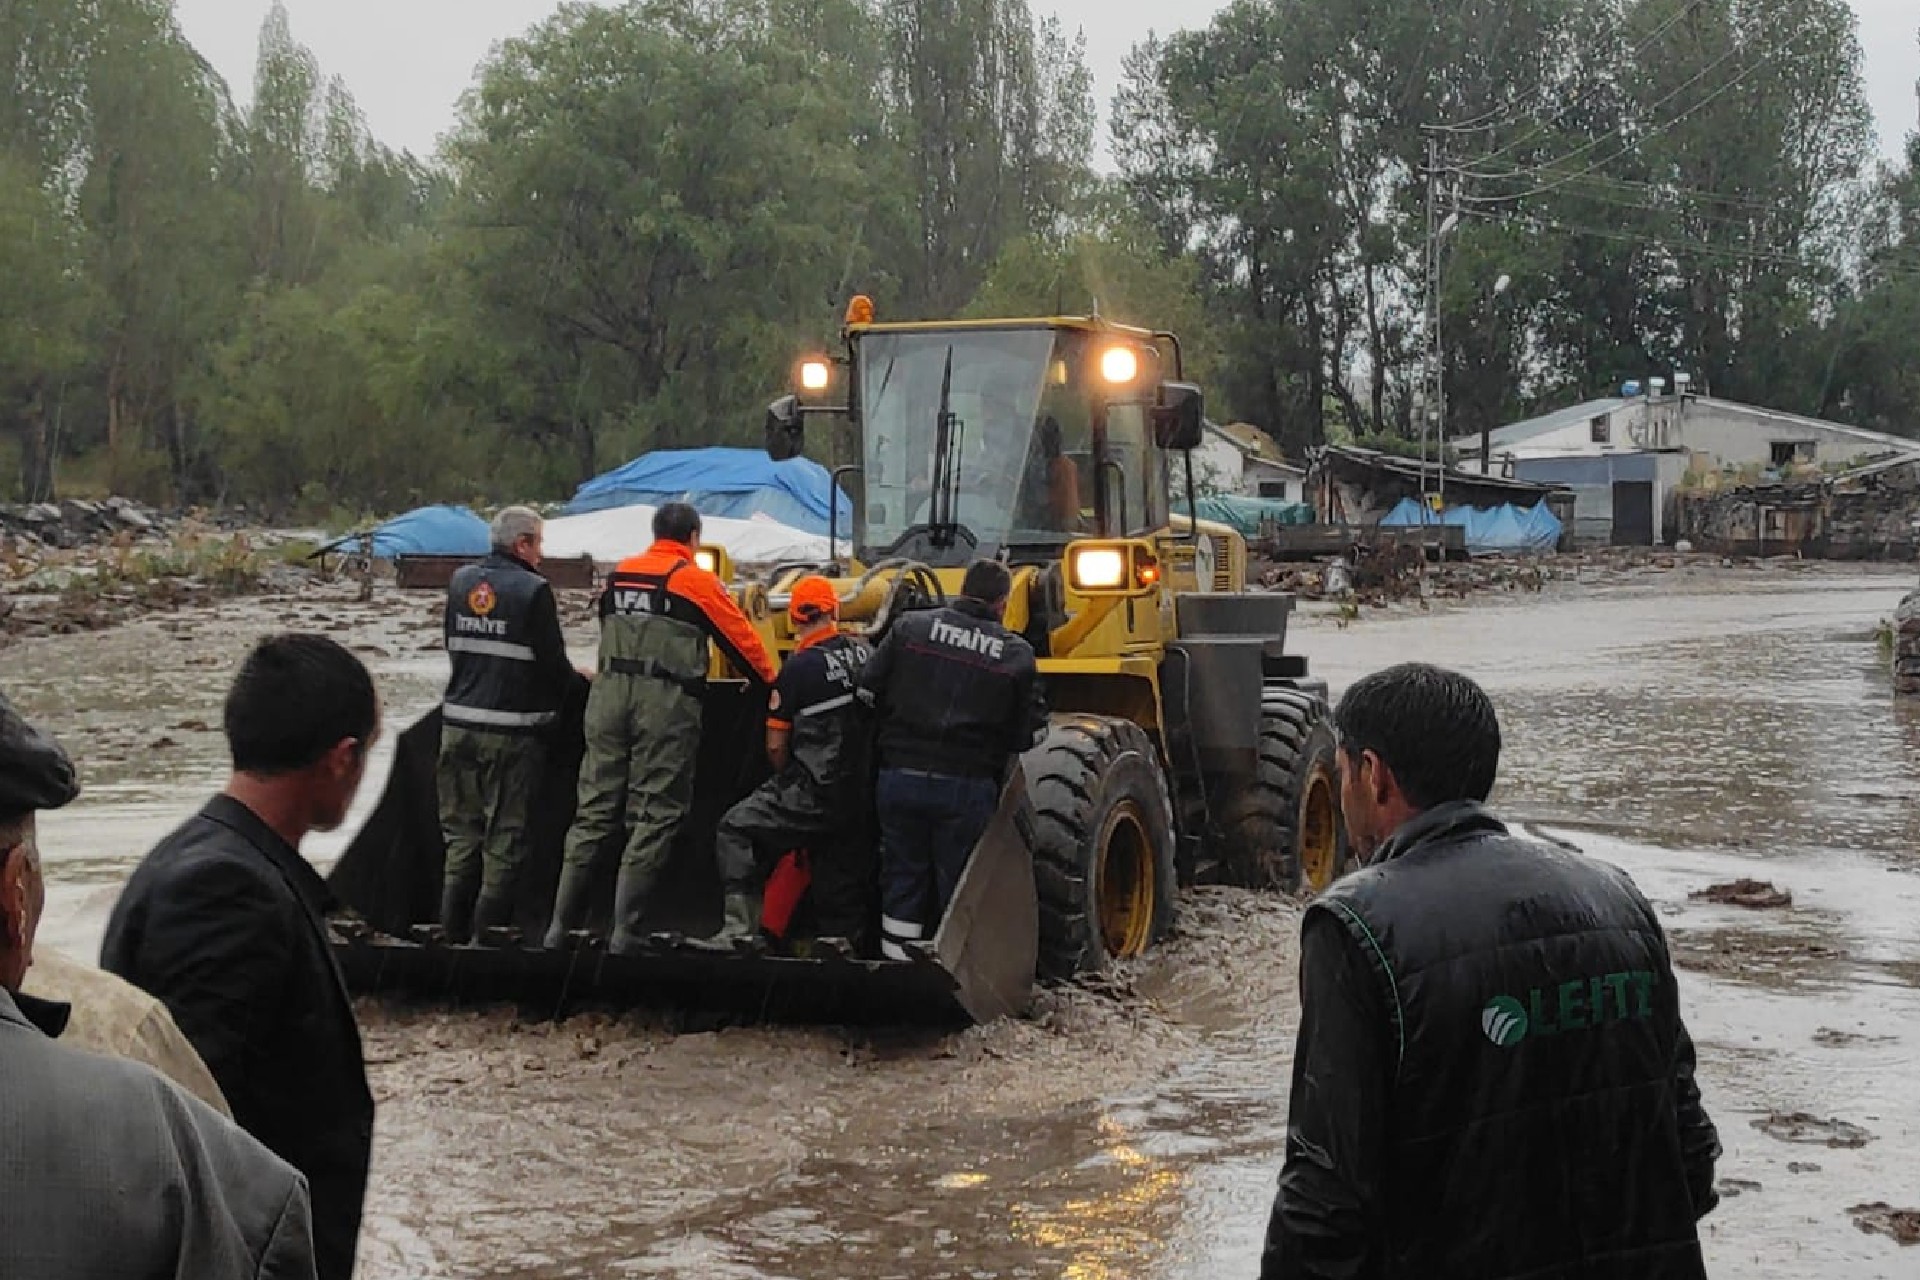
[1283, 830]
[1103, 851]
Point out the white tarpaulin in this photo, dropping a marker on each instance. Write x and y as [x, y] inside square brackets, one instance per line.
[614, 534]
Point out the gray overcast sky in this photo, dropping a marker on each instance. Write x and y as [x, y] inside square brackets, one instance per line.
[406, 61]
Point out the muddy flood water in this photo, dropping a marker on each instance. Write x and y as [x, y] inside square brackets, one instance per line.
[1695, 726]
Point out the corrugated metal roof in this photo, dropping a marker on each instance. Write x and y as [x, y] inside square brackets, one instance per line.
[1416, 471]
[1252, 441]
[1533, 428]
[1894, 444]
[1573, 415]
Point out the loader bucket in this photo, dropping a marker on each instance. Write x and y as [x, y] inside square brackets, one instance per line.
[980, 965]
[990, 939]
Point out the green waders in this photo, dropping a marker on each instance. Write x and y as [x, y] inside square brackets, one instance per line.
[487, 783]
[642, 736]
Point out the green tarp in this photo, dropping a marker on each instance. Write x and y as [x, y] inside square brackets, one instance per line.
[1246, 514]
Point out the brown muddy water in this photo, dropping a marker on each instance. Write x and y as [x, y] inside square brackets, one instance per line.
[1695, 726]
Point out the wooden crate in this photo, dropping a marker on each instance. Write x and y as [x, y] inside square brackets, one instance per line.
[421, 573]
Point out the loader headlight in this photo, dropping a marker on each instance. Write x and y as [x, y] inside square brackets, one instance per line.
[1106, 568]
[715, 561]
[1119, 365]
[1097, 568]
[815, 375]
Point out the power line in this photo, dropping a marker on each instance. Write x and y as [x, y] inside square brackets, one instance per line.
[1729, 254]
[1657, 188]
[1630, 144]
[1491, 120]
[1581, 99]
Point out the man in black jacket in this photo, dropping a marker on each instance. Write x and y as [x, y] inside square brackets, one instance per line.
[224, 921]
[958, 698]
[510, 676]
[1492, 1078]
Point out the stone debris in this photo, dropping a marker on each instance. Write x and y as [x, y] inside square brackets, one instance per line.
[1881, 1218]
[1798, 1126]
[1376, 577]
[1906, 645]
[75, 566]
[72, 523]
[1758, 894]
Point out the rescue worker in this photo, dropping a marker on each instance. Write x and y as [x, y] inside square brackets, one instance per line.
[1492, 1077]
[657, 615]
[510, 677]
[816, 744]
[958, 698]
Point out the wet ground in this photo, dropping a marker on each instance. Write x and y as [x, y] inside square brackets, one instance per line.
[1695, 726]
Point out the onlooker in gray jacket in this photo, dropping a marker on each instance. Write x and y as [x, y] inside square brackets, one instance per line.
[108, 1169]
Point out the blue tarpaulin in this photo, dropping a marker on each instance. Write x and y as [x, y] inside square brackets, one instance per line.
[736, 483]
[425, 531]
[1489, 529]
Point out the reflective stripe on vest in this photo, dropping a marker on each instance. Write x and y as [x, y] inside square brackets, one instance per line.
[454, 713]
[831, 704]
[492, 648]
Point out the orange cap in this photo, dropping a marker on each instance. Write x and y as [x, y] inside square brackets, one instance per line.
[813, 601]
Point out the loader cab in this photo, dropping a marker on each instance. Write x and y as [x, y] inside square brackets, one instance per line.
[997, 439]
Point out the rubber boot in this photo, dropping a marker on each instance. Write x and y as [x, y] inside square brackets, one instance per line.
[629, 902]
[740, 925]
[569, 906]
[493, 921]
[456, 911]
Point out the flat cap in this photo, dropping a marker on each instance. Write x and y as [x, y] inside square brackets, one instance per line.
[35, 773]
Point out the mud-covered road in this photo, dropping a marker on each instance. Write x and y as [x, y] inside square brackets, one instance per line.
[1696, 726]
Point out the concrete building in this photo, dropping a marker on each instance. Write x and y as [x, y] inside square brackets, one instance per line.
[1241, 459]
[1627, 457]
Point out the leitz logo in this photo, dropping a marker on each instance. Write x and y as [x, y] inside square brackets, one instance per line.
[1579, 1005]
[1505, 1021]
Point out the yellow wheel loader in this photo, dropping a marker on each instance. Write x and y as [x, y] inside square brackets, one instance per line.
[1185, 743]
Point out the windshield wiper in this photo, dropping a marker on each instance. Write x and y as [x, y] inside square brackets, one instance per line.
[947, 433]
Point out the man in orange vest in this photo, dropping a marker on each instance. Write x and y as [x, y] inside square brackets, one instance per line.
[658, 614]
[816, 745]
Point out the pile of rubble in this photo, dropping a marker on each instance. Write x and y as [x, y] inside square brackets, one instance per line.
[72, 524]
[1906, 645]
[82, 566]
[1377, 578]
[1374, 577]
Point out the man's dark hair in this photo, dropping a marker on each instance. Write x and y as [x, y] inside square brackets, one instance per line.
[1435, 729]
[676, 522]
[986, 581]
[296, 697]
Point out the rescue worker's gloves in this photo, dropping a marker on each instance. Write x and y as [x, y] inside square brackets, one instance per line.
[813, 602]
[35, 774]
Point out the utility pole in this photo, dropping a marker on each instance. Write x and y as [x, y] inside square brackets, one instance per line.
[1435, 416]
[1439, 227]
[1429, 306]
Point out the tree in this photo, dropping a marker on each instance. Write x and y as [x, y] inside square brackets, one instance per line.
[43, 313]
[652, 204]
[993, 117]
[1111, 266]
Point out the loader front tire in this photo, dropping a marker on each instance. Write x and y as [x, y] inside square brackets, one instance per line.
[1103, 852]
[1283, 829]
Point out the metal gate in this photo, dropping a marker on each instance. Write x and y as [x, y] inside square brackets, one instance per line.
[1632, 513]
